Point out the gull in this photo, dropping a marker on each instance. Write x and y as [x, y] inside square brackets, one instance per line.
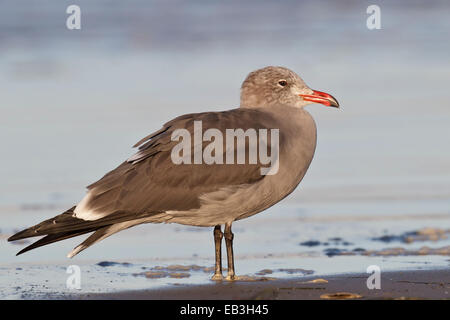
[150, 187]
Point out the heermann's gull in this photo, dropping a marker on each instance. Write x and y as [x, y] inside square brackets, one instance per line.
[152, 187]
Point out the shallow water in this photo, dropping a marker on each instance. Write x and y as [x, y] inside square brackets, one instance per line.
[273, 241]
[72, 104]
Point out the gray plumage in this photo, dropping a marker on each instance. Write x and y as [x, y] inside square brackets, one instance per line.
[150, 188]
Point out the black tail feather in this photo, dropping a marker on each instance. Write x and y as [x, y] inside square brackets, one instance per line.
[66, 223]
[46, 227]
[54, 238]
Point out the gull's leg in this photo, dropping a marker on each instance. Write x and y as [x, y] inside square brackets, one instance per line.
[218, 235]
[229, 242]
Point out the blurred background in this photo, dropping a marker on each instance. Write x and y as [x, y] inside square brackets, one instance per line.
[73, 102]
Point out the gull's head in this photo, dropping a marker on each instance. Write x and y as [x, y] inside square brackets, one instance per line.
[274, 86]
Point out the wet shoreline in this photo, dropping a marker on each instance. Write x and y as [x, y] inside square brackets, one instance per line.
[403, 285]
[283, 244]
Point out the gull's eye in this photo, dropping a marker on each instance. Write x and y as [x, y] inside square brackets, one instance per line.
[282, 83]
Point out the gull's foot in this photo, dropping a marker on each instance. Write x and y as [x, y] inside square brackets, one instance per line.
[217, 277]
[231, 277]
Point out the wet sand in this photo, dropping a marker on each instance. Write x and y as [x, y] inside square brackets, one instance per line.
[377, 191]
[298, 246]
[414, 284]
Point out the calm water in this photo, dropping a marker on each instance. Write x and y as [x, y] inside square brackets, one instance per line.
[74, 102]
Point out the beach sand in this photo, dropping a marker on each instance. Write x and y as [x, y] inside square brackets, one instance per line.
[413, 284]
[376, 193]
[277, 254]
